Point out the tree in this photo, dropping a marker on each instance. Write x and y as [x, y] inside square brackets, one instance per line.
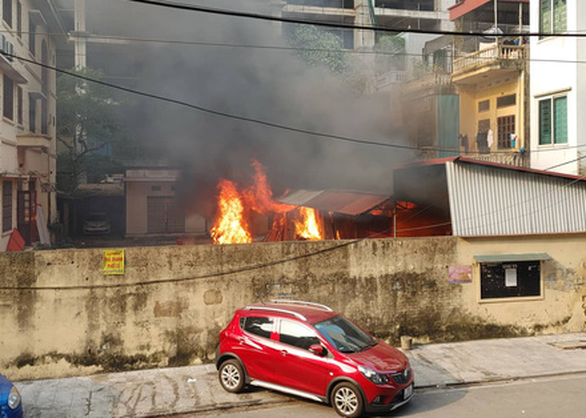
[320, 48]
[393, 53]
[91, 130]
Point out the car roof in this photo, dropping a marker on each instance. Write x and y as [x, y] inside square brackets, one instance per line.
[304, 311]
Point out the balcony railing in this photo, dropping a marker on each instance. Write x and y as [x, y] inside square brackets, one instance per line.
[428, 81]
[513, 158]
[391, 77]
[490, 56]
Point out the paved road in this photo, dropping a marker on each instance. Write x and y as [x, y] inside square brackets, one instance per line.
[558, 397]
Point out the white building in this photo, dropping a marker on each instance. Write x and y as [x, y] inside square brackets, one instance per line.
[28, 108]
[558, 87]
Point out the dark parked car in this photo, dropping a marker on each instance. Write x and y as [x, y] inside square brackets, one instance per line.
[10, 406]
[96, 223]
[308, 350]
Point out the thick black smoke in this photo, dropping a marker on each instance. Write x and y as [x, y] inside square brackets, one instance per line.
[266, 84]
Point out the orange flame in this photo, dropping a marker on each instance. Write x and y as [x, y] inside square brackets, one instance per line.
[230, 227]
[236, 210]
[259, 197]
[308, 228]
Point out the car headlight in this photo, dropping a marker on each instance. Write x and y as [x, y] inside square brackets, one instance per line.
[374, 377]
[13, 398]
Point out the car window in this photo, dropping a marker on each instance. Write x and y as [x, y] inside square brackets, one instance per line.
[296, 334]
[257, 325]
[344, 335]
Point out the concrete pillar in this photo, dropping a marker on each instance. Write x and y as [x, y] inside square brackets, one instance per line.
[80, 43]
[363, 39]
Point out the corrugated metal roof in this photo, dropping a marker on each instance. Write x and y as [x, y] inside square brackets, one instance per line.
[346, 202]
[442, 161]
[487, 201]
[511, 258]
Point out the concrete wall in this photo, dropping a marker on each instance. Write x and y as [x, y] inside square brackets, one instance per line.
[188, 294]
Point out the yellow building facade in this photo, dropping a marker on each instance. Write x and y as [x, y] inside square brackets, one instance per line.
[492, 86]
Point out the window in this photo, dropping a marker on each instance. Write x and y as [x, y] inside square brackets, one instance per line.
[506, 128]
[6, 206]
[7, 12]
[505, 101]
[260, 326]
[344, 335]
[296, 334]
[552, 16]
[19, 19]
[44, 117]
[553, 121]
[484, 106]
[509, 280]
[32, 113]
[32, 36]
[19, 105]
[8, 110]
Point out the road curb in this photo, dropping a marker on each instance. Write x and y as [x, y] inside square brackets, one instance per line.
[220, 407]
[498, 380]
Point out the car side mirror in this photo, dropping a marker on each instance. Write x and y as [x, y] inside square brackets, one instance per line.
[318, 350]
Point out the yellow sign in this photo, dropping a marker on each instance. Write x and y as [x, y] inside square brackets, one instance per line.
[113, 262]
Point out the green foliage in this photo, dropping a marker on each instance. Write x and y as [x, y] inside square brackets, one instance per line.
[320, 48]
[393, 54]
[91, 119]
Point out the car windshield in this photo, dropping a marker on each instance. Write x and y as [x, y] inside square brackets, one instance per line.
[344, 335]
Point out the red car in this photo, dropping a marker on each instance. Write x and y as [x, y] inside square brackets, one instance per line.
[308, 350]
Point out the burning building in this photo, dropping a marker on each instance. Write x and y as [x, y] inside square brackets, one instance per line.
[247, 214]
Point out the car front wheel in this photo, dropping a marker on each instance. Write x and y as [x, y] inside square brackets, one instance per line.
[347, 400]
[231, 376]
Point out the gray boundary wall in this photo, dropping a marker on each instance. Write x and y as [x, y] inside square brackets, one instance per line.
[57, 319]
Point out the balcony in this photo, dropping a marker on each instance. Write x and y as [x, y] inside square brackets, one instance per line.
[430, 83]
[496, 60]
[390, 78]
[42, 142]
[514, 158]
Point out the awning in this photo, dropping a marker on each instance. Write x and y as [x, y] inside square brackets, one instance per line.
[510, 258]
[340, 201]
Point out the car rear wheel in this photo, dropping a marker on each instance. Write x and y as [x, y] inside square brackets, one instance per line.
[347, 400]
[231, 376]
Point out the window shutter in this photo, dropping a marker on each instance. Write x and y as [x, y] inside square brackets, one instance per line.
[559, 16]
[560, 115]
[545, 122]
[545, 16]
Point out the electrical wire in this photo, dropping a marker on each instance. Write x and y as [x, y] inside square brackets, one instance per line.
[97, 37]
[217, 112]
[256, 16]
[249, 119]
[130, 39]
[281, 261]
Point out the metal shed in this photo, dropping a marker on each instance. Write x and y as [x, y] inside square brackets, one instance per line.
[489, 199]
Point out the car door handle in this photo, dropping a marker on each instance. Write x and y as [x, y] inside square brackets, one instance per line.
[284, 352]
[241, 341]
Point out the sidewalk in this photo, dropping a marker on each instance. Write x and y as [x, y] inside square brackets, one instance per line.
[162, 392]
